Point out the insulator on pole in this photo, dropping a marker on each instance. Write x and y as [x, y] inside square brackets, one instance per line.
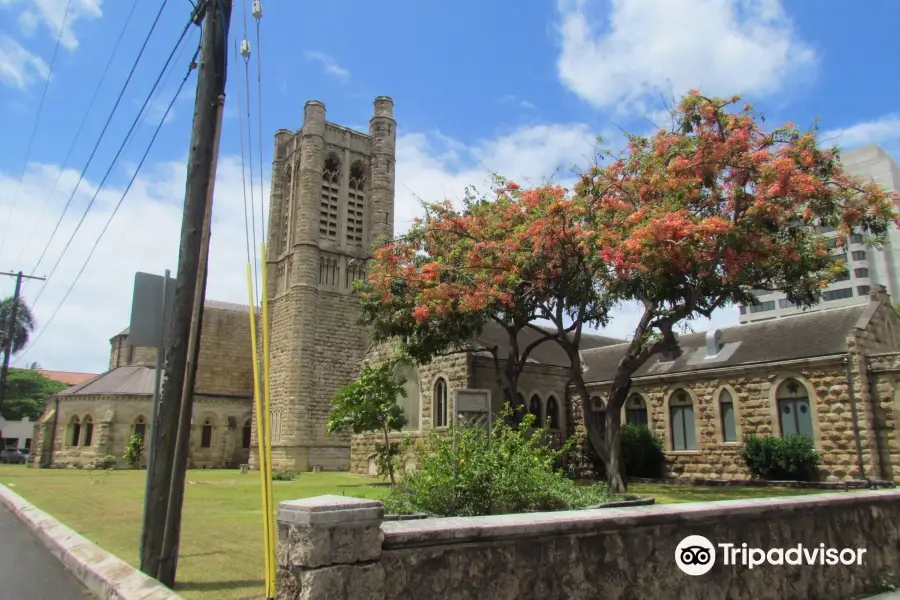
[245, 48]
[257, 9]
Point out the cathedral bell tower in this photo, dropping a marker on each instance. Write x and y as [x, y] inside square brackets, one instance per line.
[331, 203]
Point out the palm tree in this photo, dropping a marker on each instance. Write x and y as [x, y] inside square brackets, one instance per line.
[21, 329]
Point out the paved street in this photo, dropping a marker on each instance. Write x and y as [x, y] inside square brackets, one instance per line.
[27, 569]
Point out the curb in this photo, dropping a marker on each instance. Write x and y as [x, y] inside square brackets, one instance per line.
[106, 576]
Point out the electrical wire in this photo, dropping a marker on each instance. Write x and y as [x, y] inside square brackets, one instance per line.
[245, 52]
[34, 129]
[115, 160]
[118, 205]
[99, 139]
[243, 168]
[257, 14]
[65, 162]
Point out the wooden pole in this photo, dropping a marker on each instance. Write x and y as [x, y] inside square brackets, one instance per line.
[210, 86]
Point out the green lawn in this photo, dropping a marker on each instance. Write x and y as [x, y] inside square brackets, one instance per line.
[221, 546]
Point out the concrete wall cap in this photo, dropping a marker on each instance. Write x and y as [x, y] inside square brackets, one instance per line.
[331, 510]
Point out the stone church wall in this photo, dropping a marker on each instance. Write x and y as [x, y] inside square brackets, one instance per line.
[114, 417]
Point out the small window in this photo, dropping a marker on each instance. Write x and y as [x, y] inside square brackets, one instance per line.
[843, 276]
[863, 290]
[856, 239]
[861, 272]
[534, 407]
[763, 307]
[552, 413]
[837, 294]
[839, 257]
[140, 428]
[75, 431]
[681, 417]
[742, 309]
[246, 435]
[598, 414]
[206, 434]
[794, 412]
[785, 303]
[88, 428]
[636, 411]
[726, 410]
[439, 404]
[859, 255]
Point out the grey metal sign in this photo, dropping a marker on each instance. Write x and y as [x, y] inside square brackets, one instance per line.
[149, 325]
[472, 407]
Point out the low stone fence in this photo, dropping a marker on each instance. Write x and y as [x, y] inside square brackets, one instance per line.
[832, 546]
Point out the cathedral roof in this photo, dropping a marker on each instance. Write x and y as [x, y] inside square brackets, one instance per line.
[132, 380]
[547, 353]
[812, 334]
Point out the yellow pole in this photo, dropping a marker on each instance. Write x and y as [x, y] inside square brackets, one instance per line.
[265, 332]
[260, 429]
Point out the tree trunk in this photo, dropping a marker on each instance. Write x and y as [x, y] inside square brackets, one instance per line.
[390, 459]
[613, 462]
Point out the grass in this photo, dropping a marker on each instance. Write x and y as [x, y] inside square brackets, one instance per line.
[221, 544]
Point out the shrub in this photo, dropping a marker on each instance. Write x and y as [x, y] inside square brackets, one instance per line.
[509, 471]
[284, 475]
[105, 462]
[793, 458]
[642, 454]
[134, 451]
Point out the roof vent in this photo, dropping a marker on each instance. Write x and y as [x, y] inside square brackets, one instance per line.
[714, 343]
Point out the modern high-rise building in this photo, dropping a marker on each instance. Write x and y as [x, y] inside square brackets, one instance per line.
[866, 266]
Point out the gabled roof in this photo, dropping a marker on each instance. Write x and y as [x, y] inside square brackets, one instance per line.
[67, 377]
[806, 335]
[135, 380]
[548, 353]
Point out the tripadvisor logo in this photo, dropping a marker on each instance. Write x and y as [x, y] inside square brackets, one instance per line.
[696, 555]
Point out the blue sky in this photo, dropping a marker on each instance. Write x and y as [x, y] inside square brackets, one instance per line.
[518, 87]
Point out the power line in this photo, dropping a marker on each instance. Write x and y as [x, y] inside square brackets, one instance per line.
[243, 167]
[257, 14]
[37, 121]
[245, 52]
[99, 139]
[116, 157]
[119, 204]
[65, 163]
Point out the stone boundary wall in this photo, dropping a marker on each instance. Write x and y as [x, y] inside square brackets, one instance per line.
[850, 484]
[105, 575]
[336, 548]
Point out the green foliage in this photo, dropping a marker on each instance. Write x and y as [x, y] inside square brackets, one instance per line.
[793, 458]
[369, 404]
[284, 475]
[642, 454]
[26, 391]
[134, 451]
[512, 470]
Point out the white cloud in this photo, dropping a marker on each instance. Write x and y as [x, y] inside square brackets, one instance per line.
[144, 235]
[52, 13]
[878, 131]
[512, 100]
[18, 67]
[649, 48]
[330, 65]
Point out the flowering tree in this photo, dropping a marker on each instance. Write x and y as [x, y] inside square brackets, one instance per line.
[683, 223]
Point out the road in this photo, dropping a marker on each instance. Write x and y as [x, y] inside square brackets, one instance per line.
[27, 569]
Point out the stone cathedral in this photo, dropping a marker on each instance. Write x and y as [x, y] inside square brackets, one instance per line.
[332, 198]
[332, 201]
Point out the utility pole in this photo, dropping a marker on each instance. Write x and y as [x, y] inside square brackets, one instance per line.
[9, 331]
[192, 255]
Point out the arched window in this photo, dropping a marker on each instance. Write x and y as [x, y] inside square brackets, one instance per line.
[140, 427]
[356, 204]
[681, 419]
[726, 414]
[597, 414]
[440, 402]
[245, 437]
[410, 404]
[534, 407]
[328, 204]
[74, 431]
[636, 411]
[794, 412]
[552, 413]
[206, 433]
[88, 428]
